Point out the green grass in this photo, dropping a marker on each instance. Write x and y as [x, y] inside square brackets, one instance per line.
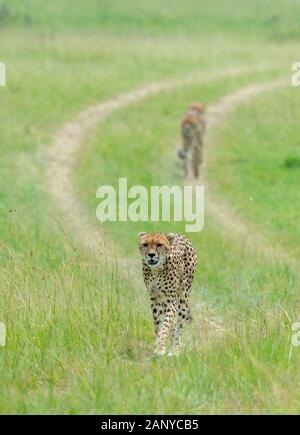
[266, 19]
[79, 335]
[260, 156]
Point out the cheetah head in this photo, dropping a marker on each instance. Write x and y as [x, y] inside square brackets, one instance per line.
[199, 107]
[155, 248]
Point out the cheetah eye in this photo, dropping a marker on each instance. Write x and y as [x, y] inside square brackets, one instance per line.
[159, 245]
[145, 245]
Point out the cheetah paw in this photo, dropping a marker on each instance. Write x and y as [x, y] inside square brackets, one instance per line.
[158, 353]
[175, 352]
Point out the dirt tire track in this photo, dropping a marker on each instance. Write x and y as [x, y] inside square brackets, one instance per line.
[62, 158]
[246, 233]
[63, 153]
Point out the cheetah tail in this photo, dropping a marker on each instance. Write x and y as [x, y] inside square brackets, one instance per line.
[181, 154]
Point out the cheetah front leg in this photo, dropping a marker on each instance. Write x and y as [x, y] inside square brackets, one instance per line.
[184, 316]
[157, 314]
[197, 154]
[195, 162]
[176, 338]
[164, 331]
[185, 155]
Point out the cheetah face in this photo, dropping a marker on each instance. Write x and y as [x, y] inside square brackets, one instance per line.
[155, 248]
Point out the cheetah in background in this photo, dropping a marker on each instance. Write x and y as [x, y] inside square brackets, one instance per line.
[169, 263]
[193, 128]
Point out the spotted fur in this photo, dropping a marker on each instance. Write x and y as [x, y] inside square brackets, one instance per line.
[193, 128]
[169, 263]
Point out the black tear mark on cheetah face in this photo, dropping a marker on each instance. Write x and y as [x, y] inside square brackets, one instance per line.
[154, 248]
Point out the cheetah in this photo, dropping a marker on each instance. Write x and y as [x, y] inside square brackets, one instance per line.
[193, 128]
[169, 262]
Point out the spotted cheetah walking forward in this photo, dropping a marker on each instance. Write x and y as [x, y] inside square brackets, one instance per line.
[169, 263]
[193, 128]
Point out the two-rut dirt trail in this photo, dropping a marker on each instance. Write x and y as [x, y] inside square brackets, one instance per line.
[251, 238]
[62, 156]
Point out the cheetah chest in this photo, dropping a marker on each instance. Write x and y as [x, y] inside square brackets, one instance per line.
[155, 286]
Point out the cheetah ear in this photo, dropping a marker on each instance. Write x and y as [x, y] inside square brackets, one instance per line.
[141, 235]
[170, 237]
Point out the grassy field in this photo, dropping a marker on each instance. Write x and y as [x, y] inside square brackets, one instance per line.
[262, 165]
[79, 334]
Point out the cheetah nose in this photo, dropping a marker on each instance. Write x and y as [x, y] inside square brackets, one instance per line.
[151, 255]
